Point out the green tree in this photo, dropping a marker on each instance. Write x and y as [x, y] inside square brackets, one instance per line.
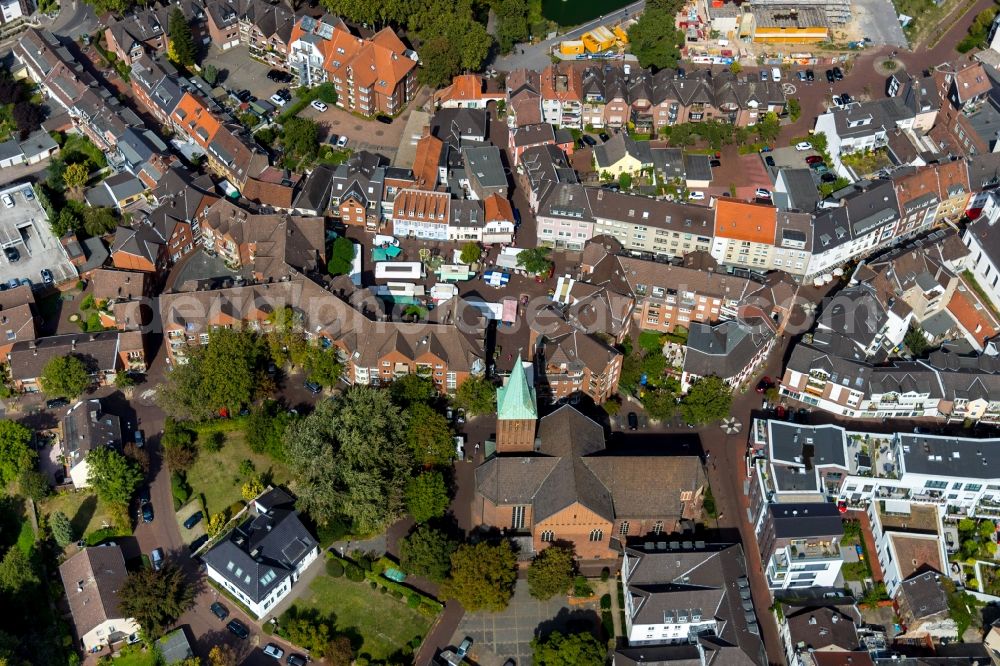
[301, 137]
[341, 256]
[412, 389]
[350, 458]
[535, 260]
[655, 39]
[32, 483]
[65, 377]
[339, 652]
[113, 476]
[16, 572]
[266, 427]
[155, 598]
[427, 496]
[326, 92]
[482, 576]
[440, 62]
[210, 73]
[322, 366]
[769, 127]
[429, 435]
[471, 252]
[559, 649]
[794, 108]
[99, 221]
[512, 23]
[223, 374]
[123, 380]
[735, 67]
[625, 181]
[75, 176]
[660, 403]
[915, 340]
[17, 454]
[708, 399]
[62, 529]
[427, 552]
[310, 631]
[551, 572]
[477, 396]
[182, 46]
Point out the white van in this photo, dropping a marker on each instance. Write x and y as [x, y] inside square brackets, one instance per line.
[775, 73]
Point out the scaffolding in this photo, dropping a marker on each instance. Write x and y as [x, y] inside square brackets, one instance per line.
[838, 12]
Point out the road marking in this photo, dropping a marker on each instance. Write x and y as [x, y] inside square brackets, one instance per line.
[148, 394]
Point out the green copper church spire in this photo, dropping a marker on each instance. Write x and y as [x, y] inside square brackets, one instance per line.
[516, 398]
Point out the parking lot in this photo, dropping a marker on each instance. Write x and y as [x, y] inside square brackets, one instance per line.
[25, 228]
[241, 72]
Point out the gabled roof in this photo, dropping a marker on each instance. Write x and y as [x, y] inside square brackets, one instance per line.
[739, 220]
[92, 579]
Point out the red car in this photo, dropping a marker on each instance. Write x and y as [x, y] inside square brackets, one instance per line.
[814, 159]
[764, 384]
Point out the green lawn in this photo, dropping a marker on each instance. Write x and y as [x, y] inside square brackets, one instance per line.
[84, 510]
[134, 656]
[384, 623]
[217, 475]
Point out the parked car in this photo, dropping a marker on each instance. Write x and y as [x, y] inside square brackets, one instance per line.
[8, 201]
[803, 145]
[763, 75]
[696, 196]
[715, 164]
[838, 74]
[762, 193]
[313, 387]
[819, 167]
[147, 512]
[463, 648]
[238, 629]
[775, 73]
[284, 94]
[24, 282]
[829, 76]
[800, 75]
[633, 421]
[764, 384]
[342, 141]
[277, 100]
[140, 438]
[272, 650]
[460, 416]
[193, 520]
[47, 278]
[13, 283]
[318, 105]
[810, 76]
[219, 611]
[12, 254]
[279, 76]
[56, 403]
[156, 559]
[296, 660]
[846, 99]
[604, 136]
[28, 193]
[814, 159]
[589, 140]
[828, 177]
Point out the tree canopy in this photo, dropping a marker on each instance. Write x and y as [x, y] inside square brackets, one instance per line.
[155, 598]
[482, 576]
[512, 23]
[409, 390]
[350, 459]
[113, 476]
[471, 252]
[341, 256]
[182, 47]
[65, 377]
[427, 552]
[224, 373]
[75, 176]
[558, 649]
[300, 138]
[708, 399]
[655, 38]
[62, 529]
[551, 572]
[429, 435]
[477, 396]
[427, 496]
[535, 260]
[16, 452]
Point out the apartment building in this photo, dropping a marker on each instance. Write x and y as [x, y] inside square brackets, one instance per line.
[372, 76]
[730, 350]
[421, 214]
[968, 111]
[800, 544]
[862, 126]
[561, 91]
[525, 137]
[744, 234]
[142, 33]
[981, 237]
[105, 355]
[571, 361]
[689, 602]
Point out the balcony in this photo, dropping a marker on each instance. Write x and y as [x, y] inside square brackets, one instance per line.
[824, 550]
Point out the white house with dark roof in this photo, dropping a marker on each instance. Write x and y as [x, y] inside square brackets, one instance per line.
[92, 579]
[731, 350]
[86, 427]
[262, 558]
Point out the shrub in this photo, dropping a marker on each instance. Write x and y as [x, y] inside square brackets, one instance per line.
[581, 588]
[396, 594]
[335, 568]
[606, 602]
[213, 442]
[605, 574]
[383, 590]
[179, 488]
[413, 601]
[372, 584]
[236, 507]
[267, 628]
[354, 573]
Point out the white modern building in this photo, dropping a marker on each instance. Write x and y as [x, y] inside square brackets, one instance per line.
[982, 237]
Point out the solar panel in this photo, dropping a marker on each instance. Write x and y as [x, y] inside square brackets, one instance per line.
[294, 550]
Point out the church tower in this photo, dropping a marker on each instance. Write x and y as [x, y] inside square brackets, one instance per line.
[517, 413]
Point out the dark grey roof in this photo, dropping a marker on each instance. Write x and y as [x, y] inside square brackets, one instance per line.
[262, 552]
[532, 135]
[451, 125]
[856, 312]
[484, 164]
[698, 167]
[938, 455]
[811, 446]
[819, 627]
[86, 426]
[798, 190]
[99, 352]
[723, 349]
[9, 149]
[923, 595]
[315, 192]
[868, 117]
[174, 647]
[799, 521]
